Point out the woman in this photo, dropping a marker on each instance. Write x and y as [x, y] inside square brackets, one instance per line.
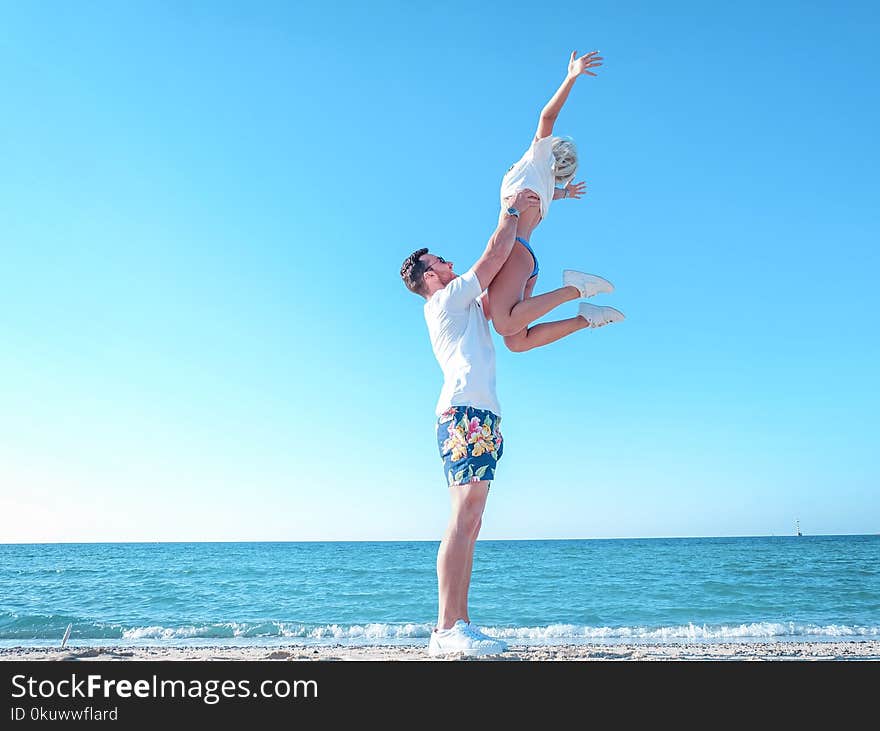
[547, 168]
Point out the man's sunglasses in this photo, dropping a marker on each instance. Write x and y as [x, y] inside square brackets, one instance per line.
[440, 260]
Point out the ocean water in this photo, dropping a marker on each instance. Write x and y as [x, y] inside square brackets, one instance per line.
[530, 592]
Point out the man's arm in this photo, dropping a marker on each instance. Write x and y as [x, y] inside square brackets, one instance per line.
[550, 112]
[501, 241]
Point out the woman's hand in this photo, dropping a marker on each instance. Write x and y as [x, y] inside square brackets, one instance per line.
[575, 190]
[582, 65]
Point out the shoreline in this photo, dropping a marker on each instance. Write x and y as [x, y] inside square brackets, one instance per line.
[865, 650]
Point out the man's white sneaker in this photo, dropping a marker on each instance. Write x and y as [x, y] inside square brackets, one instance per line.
[587, 284]
[599, 316]
[474, 630]
[461, 639]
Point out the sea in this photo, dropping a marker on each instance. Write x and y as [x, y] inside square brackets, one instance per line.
[531, 592]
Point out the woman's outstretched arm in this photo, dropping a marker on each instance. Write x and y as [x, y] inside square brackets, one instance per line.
[576, 67]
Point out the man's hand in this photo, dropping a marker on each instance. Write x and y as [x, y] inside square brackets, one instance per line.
[582, 65]
[526, 199]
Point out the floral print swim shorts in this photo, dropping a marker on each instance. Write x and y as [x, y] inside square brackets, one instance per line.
[470, 444]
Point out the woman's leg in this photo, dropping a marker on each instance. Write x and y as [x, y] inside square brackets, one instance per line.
[546, 332]
[507, 288]
[512, 311]
[543, 334]
[510, 297]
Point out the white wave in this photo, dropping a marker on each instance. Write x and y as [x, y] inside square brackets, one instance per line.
[553, 633]
[226, 629]
[377, 631]
[754, 630]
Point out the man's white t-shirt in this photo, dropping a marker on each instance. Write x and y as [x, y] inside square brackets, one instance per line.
[462, 345]
[533, 171]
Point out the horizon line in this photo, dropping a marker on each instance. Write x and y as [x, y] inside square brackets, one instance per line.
[426, 540]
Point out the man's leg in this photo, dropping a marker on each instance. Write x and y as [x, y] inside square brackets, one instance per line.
[456, 554]
[468, 570]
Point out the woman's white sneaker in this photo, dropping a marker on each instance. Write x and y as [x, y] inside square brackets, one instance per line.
[587, 284]
[462, 639]
[599, 316]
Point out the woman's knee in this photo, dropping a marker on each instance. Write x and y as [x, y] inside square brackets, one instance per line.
[505, 326]
[517, 342]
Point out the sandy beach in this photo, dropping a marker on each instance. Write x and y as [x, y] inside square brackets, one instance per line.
[738, 651]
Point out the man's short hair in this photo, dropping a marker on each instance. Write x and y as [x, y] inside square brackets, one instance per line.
[412, 272]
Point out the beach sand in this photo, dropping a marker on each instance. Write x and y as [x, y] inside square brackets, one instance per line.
[739, 651]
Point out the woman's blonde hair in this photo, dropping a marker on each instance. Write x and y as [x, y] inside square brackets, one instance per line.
[565, 160]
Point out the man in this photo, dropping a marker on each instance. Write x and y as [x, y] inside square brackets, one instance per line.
[469, 415]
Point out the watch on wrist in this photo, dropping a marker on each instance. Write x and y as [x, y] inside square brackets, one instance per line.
[512, 212]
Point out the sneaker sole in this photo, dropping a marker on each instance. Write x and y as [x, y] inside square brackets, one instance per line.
[466, 653]
[622, 316]
[609, 322]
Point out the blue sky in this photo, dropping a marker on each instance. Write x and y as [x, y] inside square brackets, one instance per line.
[204, 208]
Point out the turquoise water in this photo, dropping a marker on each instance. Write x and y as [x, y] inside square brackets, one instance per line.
[714, 589]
